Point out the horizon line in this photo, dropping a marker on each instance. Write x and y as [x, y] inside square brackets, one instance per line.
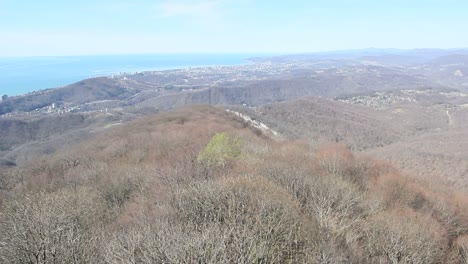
[273, 53]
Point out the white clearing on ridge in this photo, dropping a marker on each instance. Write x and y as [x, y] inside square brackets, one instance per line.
[257, 124]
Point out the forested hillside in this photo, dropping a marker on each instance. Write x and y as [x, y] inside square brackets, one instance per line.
[200, 185]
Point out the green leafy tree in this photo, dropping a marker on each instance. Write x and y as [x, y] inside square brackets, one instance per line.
[220, 150]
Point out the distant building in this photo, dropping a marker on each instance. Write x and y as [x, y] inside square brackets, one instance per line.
[4, 97]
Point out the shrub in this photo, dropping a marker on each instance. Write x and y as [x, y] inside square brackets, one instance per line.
[117, 190]
[220, 149]
[400, 191]
[404, 236]
[56, 227]
[462, 247]
[335, 159]
[255, 221]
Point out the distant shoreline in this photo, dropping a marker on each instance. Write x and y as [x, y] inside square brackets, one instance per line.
[23, 75]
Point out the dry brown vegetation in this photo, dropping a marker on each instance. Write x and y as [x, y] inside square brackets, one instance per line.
[140, 193]
[426, 138]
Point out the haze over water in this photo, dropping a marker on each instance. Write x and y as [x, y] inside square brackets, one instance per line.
[20, 75]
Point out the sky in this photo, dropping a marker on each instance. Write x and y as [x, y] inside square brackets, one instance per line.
[86, 27]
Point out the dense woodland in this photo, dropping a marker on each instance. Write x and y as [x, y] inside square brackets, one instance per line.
[199, 185]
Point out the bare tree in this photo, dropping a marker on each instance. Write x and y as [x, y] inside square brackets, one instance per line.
[51, 227]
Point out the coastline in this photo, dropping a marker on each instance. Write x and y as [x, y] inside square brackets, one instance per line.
[24, 75]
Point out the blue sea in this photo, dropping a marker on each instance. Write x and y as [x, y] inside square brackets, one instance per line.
[20, 75]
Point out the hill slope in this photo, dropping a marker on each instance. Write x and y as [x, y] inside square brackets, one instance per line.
[202, 185]
[255, 84]
[420, 131]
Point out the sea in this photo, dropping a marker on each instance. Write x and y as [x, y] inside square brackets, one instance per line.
[20, 75]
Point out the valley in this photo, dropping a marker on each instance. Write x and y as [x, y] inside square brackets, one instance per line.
[377, 103]
[359, 157]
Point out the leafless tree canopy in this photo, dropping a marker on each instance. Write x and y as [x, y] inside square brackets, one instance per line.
[140, 193]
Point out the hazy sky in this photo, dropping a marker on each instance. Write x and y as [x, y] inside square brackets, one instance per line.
[47, 27]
